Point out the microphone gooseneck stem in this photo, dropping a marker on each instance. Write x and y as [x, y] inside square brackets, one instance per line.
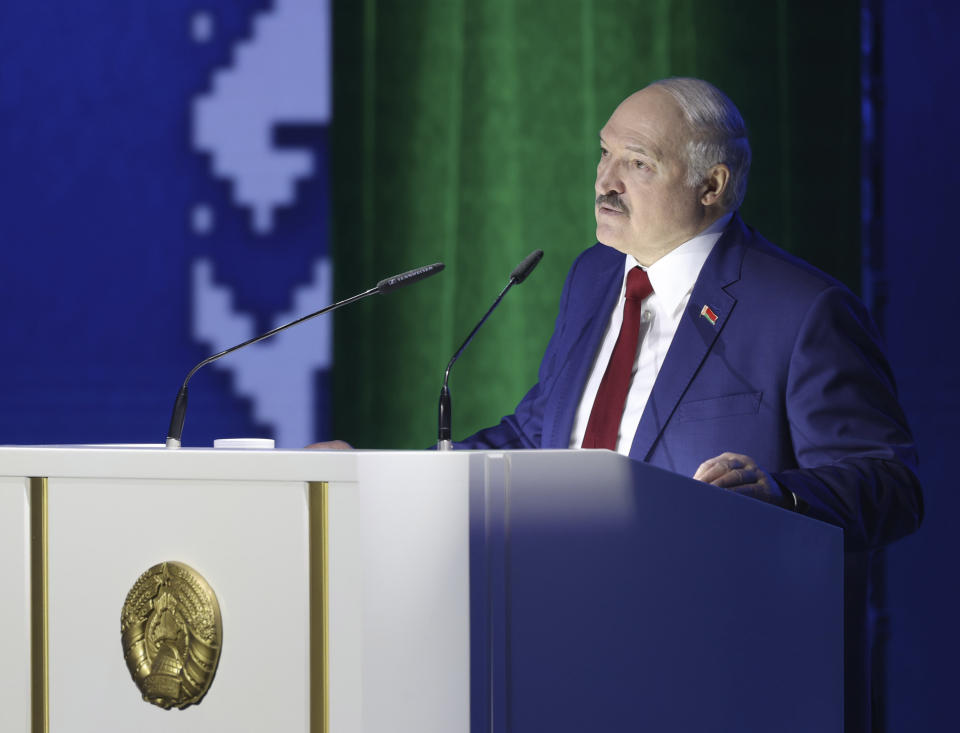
[445, 412]
[278, 329]
[446, 374]
[445, 417]
[175, 433]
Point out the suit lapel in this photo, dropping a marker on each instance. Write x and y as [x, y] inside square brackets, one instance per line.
[696, 335]
[589, 318]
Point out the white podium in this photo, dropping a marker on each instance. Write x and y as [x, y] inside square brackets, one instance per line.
[416, 591]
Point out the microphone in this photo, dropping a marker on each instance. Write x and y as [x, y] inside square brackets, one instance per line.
[387, 285]
[445, 418]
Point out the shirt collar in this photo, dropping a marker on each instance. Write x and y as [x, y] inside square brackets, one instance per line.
[674, 275]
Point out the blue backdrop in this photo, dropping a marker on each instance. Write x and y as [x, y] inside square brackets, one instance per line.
[163, 194]
[922, 261]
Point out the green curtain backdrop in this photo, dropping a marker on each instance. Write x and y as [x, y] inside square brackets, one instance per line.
[465, 131]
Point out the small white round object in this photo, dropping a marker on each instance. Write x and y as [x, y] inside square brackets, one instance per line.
[244, 443]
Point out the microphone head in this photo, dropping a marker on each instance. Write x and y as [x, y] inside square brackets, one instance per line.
[524, 269]
[406, 278]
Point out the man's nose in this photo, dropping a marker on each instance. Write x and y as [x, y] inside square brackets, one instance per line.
[608, 180]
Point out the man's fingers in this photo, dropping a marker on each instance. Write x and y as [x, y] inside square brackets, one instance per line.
[736, 477]
[741, 473]
[330, 445]
[709, 470]
[716, 468]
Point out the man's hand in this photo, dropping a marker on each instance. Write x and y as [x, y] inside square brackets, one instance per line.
[741, 473]
[330, 445]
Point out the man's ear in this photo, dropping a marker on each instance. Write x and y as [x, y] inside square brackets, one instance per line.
[715, 183]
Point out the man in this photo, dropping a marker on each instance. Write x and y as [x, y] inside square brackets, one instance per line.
[686, 340]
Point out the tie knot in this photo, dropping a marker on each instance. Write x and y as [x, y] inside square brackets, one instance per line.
[638, 284]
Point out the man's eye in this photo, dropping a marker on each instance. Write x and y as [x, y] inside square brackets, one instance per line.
[603, 152]
[639, 164]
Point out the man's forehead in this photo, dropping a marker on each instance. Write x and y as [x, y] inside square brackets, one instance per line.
[649, 119]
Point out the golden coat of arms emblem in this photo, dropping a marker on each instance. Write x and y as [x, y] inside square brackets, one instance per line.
[171, 632]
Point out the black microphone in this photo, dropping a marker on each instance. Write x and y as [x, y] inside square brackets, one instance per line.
[386, 285]
[445, 417]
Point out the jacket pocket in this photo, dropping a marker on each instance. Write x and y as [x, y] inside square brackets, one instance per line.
[747, 403]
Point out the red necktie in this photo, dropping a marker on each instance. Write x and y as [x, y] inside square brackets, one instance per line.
[603, 428]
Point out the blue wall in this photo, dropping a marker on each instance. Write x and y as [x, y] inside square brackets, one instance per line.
[163, 190]
[923, 262]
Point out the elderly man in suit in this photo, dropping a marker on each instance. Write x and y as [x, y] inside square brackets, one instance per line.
[686, 340]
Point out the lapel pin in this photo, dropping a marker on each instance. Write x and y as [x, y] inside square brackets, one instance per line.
[708, 313]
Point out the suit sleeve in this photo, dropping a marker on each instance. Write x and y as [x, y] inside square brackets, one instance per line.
[857, 464]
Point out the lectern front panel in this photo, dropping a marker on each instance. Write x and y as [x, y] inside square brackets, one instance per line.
[248, 541]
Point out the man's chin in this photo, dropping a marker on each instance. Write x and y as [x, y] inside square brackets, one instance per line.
[610, 239]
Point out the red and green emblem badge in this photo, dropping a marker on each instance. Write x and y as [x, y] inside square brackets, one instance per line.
[708, 313]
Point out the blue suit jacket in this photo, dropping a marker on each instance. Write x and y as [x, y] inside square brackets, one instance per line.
[790, 374]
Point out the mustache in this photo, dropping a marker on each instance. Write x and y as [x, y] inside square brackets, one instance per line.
[612, 201]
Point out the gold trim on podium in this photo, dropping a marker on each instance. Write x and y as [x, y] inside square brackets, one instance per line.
[317, 510]
[39, 684]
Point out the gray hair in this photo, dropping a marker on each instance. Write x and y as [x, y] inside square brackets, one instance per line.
[719, 135]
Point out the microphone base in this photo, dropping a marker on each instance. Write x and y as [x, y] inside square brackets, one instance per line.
[173, 443]
[444, 445]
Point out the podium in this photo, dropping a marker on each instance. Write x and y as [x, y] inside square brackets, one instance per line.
[412, 591]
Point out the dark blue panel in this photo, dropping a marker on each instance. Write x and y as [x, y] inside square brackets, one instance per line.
[636, 599]
[921, 158]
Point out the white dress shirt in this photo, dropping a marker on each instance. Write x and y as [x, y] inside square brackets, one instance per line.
[672, 277]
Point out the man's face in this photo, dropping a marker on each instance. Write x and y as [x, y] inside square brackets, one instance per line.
[644, 206]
